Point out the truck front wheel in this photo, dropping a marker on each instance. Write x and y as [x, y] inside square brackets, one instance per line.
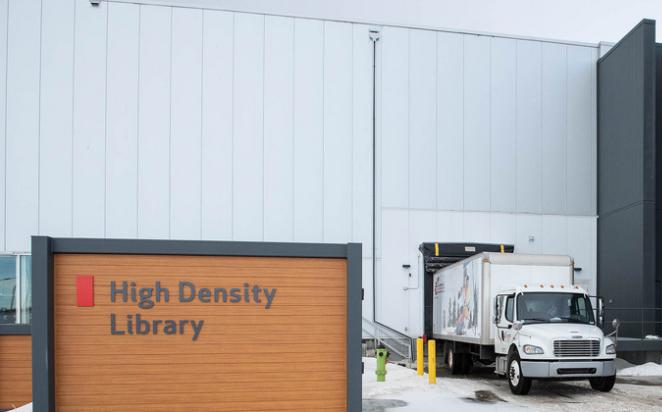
[519, 385]
[603, 384]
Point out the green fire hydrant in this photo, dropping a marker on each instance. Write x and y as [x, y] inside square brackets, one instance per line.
[381, 355]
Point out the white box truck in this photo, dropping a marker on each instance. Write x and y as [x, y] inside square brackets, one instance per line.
[524, 314]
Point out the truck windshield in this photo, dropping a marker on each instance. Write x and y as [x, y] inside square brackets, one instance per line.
[554, 307]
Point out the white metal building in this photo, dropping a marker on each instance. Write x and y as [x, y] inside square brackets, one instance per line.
[147, 121]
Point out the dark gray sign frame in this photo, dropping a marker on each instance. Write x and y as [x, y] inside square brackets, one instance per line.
[43, 249]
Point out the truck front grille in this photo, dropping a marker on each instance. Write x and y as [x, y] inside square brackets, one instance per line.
[576, 348]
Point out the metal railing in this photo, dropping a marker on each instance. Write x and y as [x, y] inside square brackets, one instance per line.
[396, 342]
[633, 321]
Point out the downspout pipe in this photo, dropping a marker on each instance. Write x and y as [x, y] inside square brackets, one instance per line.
[374, 37]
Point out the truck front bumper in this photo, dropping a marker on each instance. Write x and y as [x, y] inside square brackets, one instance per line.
[571, 369]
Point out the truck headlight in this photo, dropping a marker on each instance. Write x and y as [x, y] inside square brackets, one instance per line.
[533, 350]
[610, 349]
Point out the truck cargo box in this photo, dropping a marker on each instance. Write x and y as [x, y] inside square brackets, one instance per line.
[464, 292]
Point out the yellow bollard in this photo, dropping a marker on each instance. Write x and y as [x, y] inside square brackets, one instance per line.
[432, 362]
[419, 356]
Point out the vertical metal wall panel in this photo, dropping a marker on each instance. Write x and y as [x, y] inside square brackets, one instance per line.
[422, 119]
[554, 238]
[582, 246]
[89, 141]
[627, 150]
[362, 145]
[308, 130]
[450, 112]
[4, 11]
[22, 127]
[422, 228]
[337, 132]
[529, 233]
[122, 121]
[279, 129]
[581, 150]
[247, 144]
[476, 123]
[503, 228]
[476, 226]
[394, 118]
[185, 124]
[56, 113]
[393, 277]
[366, 284]
[154, 123]
[503, 125]
[217, 91]
[450, 226]
[554, 111]
[529, 127]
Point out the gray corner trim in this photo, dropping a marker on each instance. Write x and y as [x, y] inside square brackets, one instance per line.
[15, 330]
[634, 29]
[43, 374]
[354, 306]
[198, 248]
[43, 248]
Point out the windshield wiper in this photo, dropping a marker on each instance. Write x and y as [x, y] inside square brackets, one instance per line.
[535, 320]
[575, 320]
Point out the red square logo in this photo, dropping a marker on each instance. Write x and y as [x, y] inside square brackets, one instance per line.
[85, 290]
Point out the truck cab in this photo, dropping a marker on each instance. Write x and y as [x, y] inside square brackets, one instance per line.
[548, 331]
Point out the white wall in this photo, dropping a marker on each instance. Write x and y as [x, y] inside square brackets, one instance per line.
[145, 121]
[483, 139]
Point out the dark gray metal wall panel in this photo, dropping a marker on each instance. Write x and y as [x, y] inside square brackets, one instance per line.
[625, 159]
[627, 174]
[658, 188]
[625, 276]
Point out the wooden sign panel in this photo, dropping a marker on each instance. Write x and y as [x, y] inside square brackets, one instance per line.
[135, 328]
[15, 371]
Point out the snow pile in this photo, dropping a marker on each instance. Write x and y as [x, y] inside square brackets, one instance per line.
[24, 408]
[405, 385]
[647, 369]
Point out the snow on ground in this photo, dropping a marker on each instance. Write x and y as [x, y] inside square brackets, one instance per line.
[405, 391]
[647, 369]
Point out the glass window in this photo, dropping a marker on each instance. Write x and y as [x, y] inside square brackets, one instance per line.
[25, 265]
[7, 289]
[555, 307]
[15, 289]
[509, 308]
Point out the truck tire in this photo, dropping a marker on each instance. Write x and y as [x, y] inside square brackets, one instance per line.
[455, 362]
[519, 384]
[603, 384]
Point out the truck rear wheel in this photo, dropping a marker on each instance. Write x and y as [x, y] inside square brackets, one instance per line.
[519, 384]
[603, 384]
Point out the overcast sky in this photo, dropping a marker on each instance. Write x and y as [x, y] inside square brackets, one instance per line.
[589, 21]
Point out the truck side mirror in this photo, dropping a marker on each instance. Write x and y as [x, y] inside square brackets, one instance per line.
[496, 311]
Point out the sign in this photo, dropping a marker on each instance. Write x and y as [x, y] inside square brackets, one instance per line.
[200, 325]
[146, 298]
